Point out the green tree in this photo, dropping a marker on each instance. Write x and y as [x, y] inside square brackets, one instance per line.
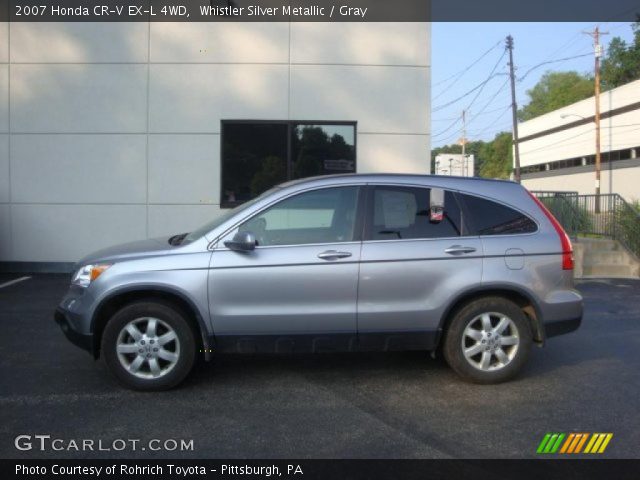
[622, 64]
[497, 157]
[556, 90]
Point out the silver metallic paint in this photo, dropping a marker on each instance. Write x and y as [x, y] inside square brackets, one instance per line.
[403, 285]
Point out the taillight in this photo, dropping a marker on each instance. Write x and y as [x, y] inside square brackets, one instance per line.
[567, 248]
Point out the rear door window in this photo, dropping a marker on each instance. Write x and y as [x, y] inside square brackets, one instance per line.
[485, 217]
[400, 213]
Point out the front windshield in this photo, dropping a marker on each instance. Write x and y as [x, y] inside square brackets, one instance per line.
[216, 222]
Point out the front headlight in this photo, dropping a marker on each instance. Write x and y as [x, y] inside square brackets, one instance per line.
[88, 273]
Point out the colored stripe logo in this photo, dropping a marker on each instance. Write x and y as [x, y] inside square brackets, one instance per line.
[574, 443]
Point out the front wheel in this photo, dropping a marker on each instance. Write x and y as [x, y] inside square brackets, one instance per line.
[149, 346]
[488, 340]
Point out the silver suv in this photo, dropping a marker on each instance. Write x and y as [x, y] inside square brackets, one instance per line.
[475, 268]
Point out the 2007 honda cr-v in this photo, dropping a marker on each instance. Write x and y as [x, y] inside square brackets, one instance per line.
[478, 268]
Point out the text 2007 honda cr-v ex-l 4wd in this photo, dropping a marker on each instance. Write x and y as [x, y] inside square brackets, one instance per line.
[478, 268]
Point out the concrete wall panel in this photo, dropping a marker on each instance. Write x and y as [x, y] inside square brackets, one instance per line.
[66, 233]
[236, 42]
[78, 98]
[393, 154]
[4, 98]
[79, 168]
[166, 220]
[4, 42]
[79, 42]
[355, 43]
[184, 169]
[193, 98]
[4, 169]
[382, 99]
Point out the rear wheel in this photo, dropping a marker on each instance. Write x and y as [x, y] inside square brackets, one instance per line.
[149, 346]
[488, 340]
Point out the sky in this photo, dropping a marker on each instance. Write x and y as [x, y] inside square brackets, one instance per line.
[455, 46]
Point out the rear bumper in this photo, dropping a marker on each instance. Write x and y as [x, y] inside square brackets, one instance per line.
[562, 312]
[560, 327]
[84, 341]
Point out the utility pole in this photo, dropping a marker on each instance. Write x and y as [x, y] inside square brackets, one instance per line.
[597, 48]
[464, 140]
[514, 110]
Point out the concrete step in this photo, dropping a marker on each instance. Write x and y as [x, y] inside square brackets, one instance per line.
[608, 270]
[606, 257]
[598, 244]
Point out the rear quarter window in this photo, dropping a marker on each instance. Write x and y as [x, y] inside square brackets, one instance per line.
[486, 217]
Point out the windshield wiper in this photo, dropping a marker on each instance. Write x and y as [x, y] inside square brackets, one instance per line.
[177, 239]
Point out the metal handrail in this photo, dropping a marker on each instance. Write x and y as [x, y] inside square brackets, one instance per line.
[565, 209]
[608, 215]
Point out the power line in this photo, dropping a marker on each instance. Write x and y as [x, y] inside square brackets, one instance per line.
[449, 137]
[618, 27]
[491, 74]
[492, 124]
[482, 85]
[489, 126]
[493, 97]
[550, 62]
[464, 70]
[464, 95]
[442, 132]
[444, 119]
[564, 46]
[478, 87]
[492, 110]
[481, 112]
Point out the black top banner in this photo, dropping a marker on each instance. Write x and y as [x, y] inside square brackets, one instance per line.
[318, 10]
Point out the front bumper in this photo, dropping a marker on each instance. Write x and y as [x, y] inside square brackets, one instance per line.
[81, 340]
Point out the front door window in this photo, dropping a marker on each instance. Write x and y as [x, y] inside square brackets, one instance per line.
[319, 216]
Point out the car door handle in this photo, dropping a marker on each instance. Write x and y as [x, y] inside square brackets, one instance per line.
[333, 255]
[459, 250]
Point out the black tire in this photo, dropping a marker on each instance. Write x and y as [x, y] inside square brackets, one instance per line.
[453, 341]
[172, 317]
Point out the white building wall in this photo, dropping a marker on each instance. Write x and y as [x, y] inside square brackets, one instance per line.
[111, 132]
[618, 132]
[625, 182]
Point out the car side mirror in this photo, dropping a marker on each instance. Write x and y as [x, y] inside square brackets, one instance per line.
[242, 242]
[436, 205]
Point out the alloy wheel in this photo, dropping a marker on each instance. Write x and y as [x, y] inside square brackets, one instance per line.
[148, 347]
[490, 341]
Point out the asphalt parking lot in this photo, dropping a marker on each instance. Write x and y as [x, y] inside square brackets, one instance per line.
[398, 405]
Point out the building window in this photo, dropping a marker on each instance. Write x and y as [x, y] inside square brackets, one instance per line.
[607, 157]
[257, 155]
